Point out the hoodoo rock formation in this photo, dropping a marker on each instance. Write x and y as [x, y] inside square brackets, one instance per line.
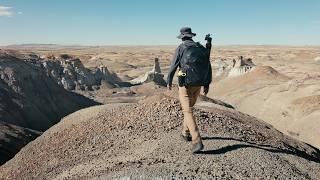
[154, 75]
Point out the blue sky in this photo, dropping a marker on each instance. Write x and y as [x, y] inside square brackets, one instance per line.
[153, 22]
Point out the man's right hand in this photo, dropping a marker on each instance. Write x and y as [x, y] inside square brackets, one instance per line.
[208, 38]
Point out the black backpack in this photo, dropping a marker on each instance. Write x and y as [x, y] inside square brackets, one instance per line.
[194, 64]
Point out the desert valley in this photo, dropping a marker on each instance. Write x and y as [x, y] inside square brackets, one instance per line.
[104, 112]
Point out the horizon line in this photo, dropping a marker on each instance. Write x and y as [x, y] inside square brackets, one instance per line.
[137, 45]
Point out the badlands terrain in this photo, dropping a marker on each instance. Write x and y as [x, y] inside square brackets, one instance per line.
[287, 95]
[260, 119]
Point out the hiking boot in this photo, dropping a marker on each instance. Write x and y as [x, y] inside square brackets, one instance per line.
[187, 137]
[197, 147]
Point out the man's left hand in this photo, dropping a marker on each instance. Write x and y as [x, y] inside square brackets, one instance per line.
[205, 90]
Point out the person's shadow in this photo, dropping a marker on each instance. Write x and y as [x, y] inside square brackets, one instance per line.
[243, 144]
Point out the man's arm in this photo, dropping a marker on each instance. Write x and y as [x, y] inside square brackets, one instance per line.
[208, 44]
[209, 80]
[173, 67]
[209, 76]
[208, 47]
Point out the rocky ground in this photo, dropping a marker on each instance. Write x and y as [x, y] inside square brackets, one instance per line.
[142, 141]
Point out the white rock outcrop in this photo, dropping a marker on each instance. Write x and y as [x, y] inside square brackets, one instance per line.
[230, 68]
[154, 75]
[70, 73]
[241, 66]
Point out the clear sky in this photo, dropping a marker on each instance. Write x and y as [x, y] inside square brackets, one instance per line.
[148, 22]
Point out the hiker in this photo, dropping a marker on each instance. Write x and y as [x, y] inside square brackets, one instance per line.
[194, 72]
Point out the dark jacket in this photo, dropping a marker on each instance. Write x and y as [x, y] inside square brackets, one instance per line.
[176, 62]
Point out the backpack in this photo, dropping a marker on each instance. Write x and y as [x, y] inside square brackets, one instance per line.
[194, 65]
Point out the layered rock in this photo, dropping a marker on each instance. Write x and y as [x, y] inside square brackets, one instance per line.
[70, 73]
[30, 100]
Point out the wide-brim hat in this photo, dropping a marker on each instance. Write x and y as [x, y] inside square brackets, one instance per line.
[186, 32]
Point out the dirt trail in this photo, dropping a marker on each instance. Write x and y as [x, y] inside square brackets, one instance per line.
[142, 140]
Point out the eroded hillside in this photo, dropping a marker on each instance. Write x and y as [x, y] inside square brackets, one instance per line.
[143, 140]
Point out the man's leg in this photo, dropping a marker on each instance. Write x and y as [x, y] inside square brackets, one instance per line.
[197, 145]
[194, 92]
[195, 95]
[185, 101]
[187, 96]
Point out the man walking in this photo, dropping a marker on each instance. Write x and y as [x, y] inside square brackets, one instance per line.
[194, 72]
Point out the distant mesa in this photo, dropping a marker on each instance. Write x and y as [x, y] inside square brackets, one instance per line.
[49, 46]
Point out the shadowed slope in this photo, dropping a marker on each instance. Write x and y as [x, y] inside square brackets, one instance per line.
[12, 139]
[29, 98]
